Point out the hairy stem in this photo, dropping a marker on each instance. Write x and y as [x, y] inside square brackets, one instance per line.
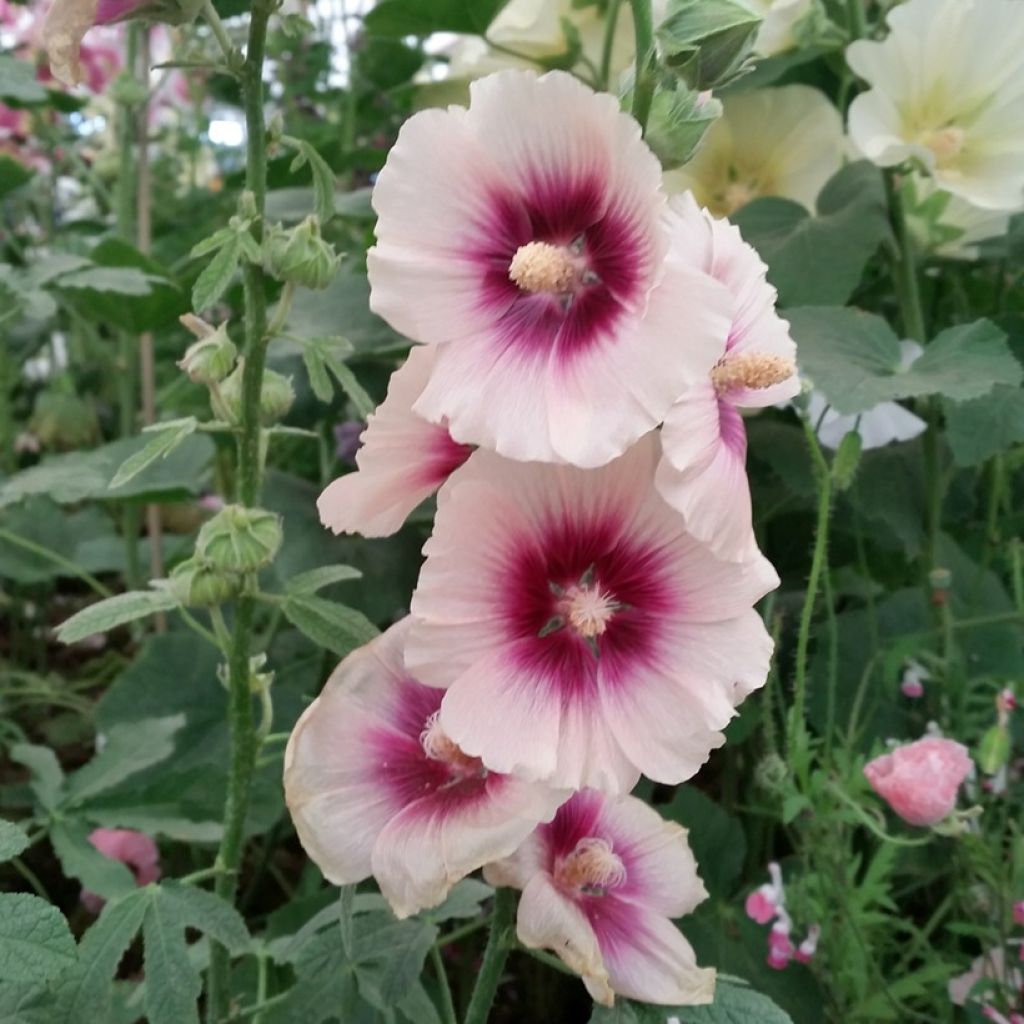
[244, 742]
[499, 942]
[643, 86]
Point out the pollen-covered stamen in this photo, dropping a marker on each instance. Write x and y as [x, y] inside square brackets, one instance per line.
[543, 267]
[946, 143]
[592, 868]
[753, 370]
[438, 747]
[588, 609]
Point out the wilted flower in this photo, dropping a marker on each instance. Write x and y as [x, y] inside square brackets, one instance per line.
[702, 473]
[920, 781]
[600, 884]
[403, 460]
[787, 141]
[947, 90]
[583, 634]
[135, 850]
[524, 237]
[374, 785]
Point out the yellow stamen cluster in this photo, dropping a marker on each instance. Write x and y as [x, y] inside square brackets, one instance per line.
[753, 370]
[542, 267]
[588, 610]
[946, 143]
[438, 747]
[593, 866]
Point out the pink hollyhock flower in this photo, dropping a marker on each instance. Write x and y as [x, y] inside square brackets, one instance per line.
[600, 884]
[135, 850]
[920, 781]
[524, 237]
[761, 906]
[403, 460]
[702, 473]
[780, 947]
[1018, 912]
[583, 635]
[374, 785]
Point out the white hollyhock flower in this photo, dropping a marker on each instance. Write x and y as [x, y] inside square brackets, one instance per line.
[776, 32]
[770, 142]
[949, 225]
[947, 89]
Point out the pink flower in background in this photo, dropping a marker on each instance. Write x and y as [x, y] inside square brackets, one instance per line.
[920, 781]
[600, 884]
[780, 946]
[915, 675]
[989, 966]
[374, 785]
[809, 947]
[702, 473]
[135, 850]
[524, 237]
[768, 901]
[1018, 913]
[64, 28]
[403, 460]
[582, 634]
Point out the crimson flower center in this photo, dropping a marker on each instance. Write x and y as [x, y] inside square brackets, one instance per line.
[591, 869]
[439, 747]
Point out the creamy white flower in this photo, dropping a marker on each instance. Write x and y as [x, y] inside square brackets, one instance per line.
[786, 141]
[947, 89]
[776, 32]
[949, 225]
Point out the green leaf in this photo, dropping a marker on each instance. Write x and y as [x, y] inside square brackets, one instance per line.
[25, 1004]
[35, 941]
[18, 81]
[978, 429]
[84, 993]
[390, 957]
[463, 901]
[207, 913]
[323, 178]
[316, 579]
[678, 120]
[347, 379]
[172, 982]
[416, 18]
[316, 370]
[166, 437]
[47, 781]
[129, 748]
[13, 174]
[734, 1004]
[716, 838]
[79, 859]
[211, 243]
[12, 840]
[819, 260]
[120, 280]
[963, 362]
[334, 626]
[111, 612]
[215, 277]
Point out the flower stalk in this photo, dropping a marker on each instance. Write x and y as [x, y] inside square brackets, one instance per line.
[499, 942]
[643, 86]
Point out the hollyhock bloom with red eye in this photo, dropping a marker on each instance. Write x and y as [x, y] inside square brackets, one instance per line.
[402, 461]
[524, 236]
[703, 471]
[600, 885]
[135, 850]
[582, 634]
[920, 781]
[374, 785]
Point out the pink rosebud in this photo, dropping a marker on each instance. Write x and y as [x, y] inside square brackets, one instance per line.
[1018, 913]
[920, 781]
[761, 906]
[135, 850]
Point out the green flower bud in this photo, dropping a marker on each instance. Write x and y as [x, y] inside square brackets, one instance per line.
[771, 773]
[844, 466]
[199, 586]
[239, 539]
[994, 749]
[301, 256]
[706, 42]
[209, 360]
[276, 396]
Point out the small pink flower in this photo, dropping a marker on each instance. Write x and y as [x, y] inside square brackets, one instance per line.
[211, 502]
[1018, 913]
[582, 635]
[920, 781]
[600, 885]
[403, 459]
[780, 948]
[761, 906]
[702, 473]
[135, 850]
[1006, 702]
[374, 785]
[915, 676]
[806, 950]
[523, 237]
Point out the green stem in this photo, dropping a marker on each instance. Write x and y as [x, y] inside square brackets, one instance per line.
[448, 1014]
[611, 24]
[643, 86]
[220, 33]
[856, 23]
[818, 567]
[58, 560]
[240, 706]
[499, 942]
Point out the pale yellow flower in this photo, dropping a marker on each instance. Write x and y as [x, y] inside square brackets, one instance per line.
[776, 32]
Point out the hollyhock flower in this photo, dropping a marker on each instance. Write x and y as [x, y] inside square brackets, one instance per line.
[374, 785]
[920, 781]
[946, 224]
[780, 947]
[135, 850]
[524, 237]
[787, 141]
[947, 90]
[780, 17]
[702, 473]
[584, 636]
[915, 675]
[989, 966]
[403, 460]
[600, 884]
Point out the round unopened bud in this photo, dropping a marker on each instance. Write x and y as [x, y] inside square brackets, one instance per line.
[301, 256]
[239, 539]
[771, 773]
[200, 586]
[209, 360]
[276, 396]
